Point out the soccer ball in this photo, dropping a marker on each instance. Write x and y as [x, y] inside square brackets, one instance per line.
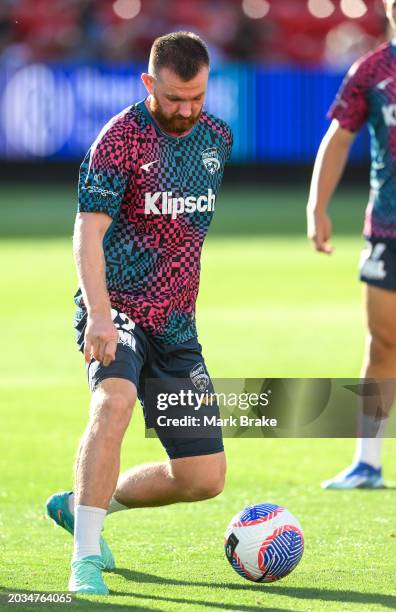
[264, 542]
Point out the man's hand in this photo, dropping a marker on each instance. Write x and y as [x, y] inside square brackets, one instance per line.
[319, 230]
[101, 338]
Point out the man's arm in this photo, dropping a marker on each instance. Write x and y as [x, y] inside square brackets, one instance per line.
[329, 165]
[101, 335]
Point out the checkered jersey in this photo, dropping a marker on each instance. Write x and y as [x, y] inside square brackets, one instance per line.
[368, 94]
[160, 192]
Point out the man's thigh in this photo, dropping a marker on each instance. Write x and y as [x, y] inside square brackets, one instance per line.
[130, 355]
[180, 369]
[199, 468]
[380, 307]
[119, 394]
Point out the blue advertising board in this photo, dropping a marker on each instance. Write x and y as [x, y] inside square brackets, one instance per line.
[54, 111]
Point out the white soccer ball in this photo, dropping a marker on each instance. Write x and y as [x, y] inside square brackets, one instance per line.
[264, 542]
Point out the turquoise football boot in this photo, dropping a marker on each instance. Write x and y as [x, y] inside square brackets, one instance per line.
[58, 510]
[86, 576]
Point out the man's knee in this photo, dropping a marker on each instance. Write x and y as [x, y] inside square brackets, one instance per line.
[382, 346]
[112, 407]
[206, 487]
[201, 478]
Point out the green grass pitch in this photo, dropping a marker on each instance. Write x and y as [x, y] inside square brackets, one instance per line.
[268, 307]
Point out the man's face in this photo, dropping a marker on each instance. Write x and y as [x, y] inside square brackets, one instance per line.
[390, 8]
[176, 104]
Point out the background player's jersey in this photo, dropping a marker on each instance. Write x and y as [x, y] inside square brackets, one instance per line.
[368, 93]
[161, 194]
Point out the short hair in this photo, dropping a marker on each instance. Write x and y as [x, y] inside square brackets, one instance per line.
[182, 52]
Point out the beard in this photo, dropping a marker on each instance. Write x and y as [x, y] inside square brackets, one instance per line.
[175, 124]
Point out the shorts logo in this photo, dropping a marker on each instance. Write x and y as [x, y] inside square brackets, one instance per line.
[125, 327]
[210, 159]
[371, 265]
[199, 377]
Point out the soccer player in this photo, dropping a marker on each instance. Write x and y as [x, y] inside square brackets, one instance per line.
[367, 95]
[147, 194]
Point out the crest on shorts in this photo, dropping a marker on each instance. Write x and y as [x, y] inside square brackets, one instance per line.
[199, 377]
[210, 159]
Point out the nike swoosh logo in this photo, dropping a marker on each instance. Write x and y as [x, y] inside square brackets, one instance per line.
[383, 84]
[145, 167]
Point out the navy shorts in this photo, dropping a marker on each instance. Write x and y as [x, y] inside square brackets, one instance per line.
[378, 264]
[144, 360]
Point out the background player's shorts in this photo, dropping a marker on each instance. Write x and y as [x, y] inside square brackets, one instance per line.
[139, 358]
[378, 264]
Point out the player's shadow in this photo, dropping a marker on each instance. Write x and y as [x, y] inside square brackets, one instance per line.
[80, 602]
[347, 596]
[356, 597]
[217, 605]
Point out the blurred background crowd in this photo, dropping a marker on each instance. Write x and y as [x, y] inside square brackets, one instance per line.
[67, 66]
[281, 31]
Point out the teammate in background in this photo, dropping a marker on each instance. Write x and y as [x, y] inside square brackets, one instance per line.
[367, 95]
[147, 193]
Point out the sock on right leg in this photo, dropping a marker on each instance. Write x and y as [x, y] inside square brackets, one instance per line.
[368, 450]
[87, 529]
[369, 447]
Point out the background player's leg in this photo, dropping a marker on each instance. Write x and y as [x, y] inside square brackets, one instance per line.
[178, 480]
[379, 363]
[98, 461]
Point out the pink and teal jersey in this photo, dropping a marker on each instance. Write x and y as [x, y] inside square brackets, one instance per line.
[368, 94]
[160, 192]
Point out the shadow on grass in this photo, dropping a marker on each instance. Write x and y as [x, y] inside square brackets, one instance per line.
[81, 603]
[312, 594]
[218, 605]
[346, 596]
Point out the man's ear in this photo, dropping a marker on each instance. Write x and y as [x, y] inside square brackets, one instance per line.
[148, 82]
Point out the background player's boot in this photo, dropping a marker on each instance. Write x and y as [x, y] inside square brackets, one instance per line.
[86, 576]
[58, 510]
[357, 476]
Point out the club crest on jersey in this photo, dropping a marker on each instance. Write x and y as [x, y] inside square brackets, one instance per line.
[210, 159]
[199, 377]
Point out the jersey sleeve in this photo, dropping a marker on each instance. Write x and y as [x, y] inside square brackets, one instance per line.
[350, 106]
[105, 170]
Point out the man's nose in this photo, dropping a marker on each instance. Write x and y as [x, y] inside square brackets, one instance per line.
[185, 109]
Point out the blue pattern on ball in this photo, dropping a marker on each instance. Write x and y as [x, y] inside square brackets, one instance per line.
[238, 568]
[252, 513]
[283, 554]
